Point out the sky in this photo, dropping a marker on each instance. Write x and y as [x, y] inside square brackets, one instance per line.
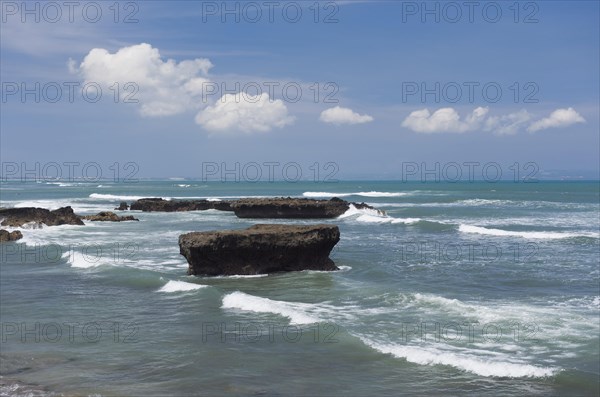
[364, 90]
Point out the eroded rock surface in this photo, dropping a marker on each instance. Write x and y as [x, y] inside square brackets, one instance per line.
[260, 249]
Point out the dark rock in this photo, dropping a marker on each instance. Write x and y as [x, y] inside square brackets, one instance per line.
[260, 249]
[279, 207]
[361, 206]
[161, 205]
[107, 216]
[17, 217]
[122, 207]
[5, 235]
[289, 208]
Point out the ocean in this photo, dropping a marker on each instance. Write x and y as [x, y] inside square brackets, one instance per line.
[459, 289]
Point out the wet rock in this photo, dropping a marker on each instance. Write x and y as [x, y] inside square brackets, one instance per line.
[162, 205]
[6, 236]
[260, 249]
[296, 208]
[122, 207]
[107, 216]
[17, 217]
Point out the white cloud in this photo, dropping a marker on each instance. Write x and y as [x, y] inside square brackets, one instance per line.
[448, 120]
[338, 115]
[508, 124]
[558, 118]
[244, 112]
[444, 120]
[165, 87]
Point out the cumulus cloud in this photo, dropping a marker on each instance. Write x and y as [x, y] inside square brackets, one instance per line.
[448, 120]
[444, 120]
[558, 118]
[162, 87]
[508, 124]
[246, 113]
[338, 115]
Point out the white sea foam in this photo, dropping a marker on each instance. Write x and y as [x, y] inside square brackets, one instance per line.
[58, 235]
[490, 365]
[386, 219]
[100, 196]
[534, 235]
[180, 286]
[81, 261]
[234, 276]
[558, 320]
[352, 210]
[64, 184]
[296, 312]
[183, 185]
[368, 215]
[77, 205]
[364, 194]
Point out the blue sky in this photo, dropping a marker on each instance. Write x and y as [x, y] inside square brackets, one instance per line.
[178, 57]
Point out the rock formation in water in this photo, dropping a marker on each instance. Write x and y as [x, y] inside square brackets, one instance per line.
[161, 205]
[17, 217]
[6, 236]
[107, 216]
[122, 207]
[260, 249]
[279, 207]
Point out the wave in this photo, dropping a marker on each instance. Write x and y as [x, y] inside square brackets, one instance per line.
[534, 235]
[387, 219]
[489, 365]
[341, 267]
[368, 215]
[524, 203]
[76, 204]
[559, 320]
[63, 184]
[81, 261]
[296, 312]
[180, 286]
[100, 196]
[363, 194]
[234, 276]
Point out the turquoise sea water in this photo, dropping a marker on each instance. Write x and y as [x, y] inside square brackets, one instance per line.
[468, 288]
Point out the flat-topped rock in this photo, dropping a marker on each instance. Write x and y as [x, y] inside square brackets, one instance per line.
[17, 217]
[260, 249]
[107, 216]
[6, 236]
[292, 208]
[162, 205]
[259, 208]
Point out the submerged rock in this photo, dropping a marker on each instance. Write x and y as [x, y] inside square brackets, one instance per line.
[107, 216]
[260, 249]
[122, 207]
[17, 217]
[6, 236]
